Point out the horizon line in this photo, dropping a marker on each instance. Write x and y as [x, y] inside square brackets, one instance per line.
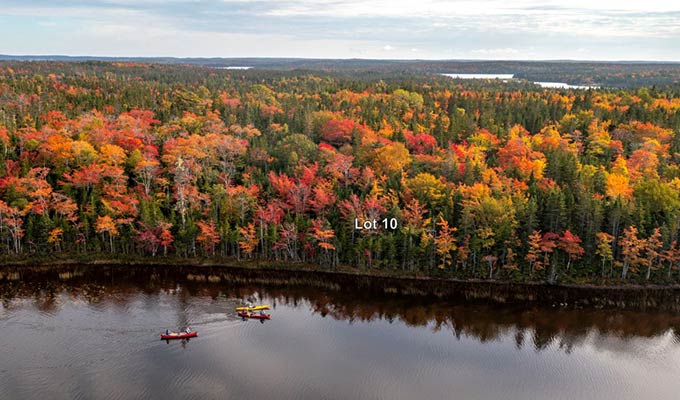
[338, 59]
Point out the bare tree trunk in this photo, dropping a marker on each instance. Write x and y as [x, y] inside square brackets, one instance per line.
[624, 271]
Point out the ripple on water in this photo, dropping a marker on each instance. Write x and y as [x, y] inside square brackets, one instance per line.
[103, 343]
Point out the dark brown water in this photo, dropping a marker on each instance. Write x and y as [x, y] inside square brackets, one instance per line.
[94, 334]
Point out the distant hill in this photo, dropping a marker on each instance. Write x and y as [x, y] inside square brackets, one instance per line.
[608, 74]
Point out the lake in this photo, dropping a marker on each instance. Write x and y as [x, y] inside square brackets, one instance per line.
[562, 85]
[479, 76]
[94, 333]
[506, 77]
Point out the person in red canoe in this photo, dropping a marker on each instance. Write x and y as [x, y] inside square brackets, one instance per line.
[167, 332]
[188, 330]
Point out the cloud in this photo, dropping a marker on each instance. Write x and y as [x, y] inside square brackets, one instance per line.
[605, 29]
[506, 50]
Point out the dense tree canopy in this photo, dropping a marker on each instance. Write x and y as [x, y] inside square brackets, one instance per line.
[492, 179]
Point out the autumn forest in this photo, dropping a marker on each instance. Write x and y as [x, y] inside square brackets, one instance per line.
[475, 179]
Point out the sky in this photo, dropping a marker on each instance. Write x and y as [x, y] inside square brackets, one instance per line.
[382, 29]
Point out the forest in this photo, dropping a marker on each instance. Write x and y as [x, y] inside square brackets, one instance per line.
[610, 74]
[483, 179]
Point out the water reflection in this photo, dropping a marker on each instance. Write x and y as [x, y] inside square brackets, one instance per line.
[544, 326]
[95, 334]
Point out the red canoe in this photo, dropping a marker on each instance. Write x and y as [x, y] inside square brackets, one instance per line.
[245, 314]
[175, 335]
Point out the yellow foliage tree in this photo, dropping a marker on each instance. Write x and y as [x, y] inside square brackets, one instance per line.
[392, 158]
[445, 243]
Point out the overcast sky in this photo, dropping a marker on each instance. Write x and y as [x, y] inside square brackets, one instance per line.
[393, 29]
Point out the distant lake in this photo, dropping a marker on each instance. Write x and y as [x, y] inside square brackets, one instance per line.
[234, 67]
[479, 76]
[550, 85]
[562, 85]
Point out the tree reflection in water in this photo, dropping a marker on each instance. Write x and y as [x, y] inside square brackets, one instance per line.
[539, 327]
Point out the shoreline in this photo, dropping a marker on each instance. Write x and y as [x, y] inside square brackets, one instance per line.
[628, 297]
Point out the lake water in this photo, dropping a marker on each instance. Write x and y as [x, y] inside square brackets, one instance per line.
[505, 77]
[234, 67]
[562, 85]
[95, 335]
[479, 76]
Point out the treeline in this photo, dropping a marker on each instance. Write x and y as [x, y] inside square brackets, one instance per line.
[609, 74]
[478, 179]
